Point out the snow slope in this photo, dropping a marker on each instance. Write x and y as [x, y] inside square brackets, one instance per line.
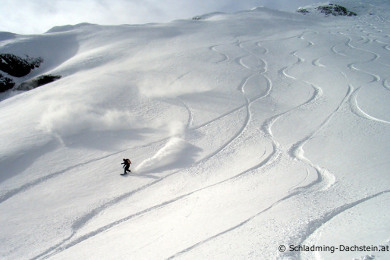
[247, 131]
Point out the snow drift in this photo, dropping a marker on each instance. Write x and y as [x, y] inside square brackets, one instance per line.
[176, 153]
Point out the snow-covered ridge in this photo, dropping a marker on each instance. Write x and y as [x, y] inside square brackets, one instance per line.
[246, 131]
[65, 28]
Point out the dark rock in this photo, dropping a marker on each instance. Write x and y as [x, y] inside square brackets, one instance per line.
[330, 9]
[17, 66]
[302, 11]
[5, 83]
[37, 82]
[336, 10]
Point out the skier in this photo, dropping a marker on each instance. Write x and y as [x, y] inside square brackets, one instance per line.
[126, 165]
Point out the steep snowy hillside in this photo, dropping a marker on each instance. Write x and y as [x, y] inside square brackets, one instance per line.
[260, 135]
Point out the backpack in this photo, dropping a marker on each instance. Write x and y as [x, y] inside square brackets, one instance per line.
[128, 161]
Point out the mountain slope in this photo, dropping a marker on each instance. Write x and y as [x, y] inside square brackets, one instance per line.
[246, 131]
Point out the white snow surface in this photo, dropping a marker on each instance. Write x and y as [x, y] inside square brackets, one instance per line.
[246, 131]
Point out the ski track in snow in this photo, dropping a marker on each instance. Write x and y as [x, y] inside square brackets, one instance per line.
[190, 114]
[9, 194]
[386, 84]
[224, 56]
[232, 228]
[62, 246]
[350, 98]
[324, 178]
[296, 151]
[355, 108]
[323, 220]
[360, 112]
[16, 191]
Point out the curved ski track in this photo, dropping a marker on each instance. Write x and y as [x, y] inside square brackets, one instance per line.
[355, 108]
[350, 98]
[312, 226]
[324, 178]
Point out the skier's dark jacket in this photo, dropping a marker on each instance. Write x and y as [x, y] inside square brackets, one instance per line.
[126, 163]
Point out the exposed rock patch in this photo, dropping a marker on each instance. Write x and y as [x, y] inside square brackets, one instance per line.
[37, 82]
[336, 10]
[330, 9]
[17, 66]
[6, 83]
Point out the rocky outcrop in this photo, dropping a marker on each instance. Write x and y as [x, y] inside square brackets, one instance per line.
[37, 82]
[330, 9]
[336, 10]
[17, 66]
[6, 83]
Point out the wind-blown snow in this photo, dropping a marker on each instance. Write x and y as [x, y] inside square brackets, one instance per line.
[246, 131]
